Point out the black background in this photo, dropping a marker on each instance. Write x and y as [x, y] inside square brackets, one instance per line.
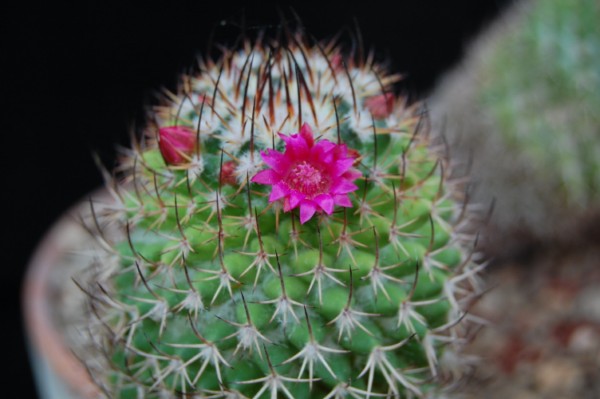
[76, 80]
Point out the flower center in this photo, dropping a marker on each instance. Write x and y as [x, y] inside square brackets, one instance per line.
[307, 179]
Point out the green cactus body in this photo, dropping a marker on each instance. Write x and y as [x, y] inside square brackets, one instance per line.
[222, 292]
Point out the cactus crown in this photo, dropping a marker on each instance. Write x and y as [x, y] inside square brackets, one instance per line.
[286, 231]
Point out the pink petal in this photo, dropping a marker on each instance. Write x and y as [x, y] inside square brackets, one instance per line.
[322, 152]
[276, 161]
[285, 138]
[307, 134]
[325, 160]
[341, 166]
[307, 210]
[296, 147]
[342, 200]
[342, 151]
[343, 186]
[278, 191]
[295, 198]
[267, 176]
[352, 174]
[324, 146]
[325, 202]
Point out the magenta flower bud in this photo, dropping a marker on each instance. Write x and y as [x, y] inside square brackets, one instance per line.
[228, 173]
[176, 144]
[312, 176]
[380, 106]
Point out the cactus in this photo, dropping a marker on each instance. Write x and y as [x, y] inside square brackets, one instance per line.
[284, 229]
[523, 104]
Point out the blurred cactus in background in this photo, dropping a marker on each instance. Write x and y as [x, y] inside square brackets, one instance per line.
[523, 105]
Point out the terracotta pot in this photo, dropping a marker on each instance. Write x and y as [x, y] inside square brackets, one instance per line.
[58, 372]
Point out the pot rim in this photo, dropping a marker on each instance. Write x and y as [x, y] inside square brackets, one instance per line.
[41, 332]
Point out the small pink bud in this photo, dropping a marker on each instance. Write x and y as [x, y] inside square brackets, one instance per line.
[176, 143]
[380, 106]
[228, 173]
[202, 98]
[337, 62]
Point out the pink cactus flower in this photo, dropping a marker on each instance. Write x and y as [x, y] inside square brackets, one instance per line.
[314, 177]
[380, 106]
[176, 143]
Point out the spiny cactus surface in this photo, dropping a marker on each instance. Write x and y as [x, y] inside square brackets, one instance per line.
[286, 231]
